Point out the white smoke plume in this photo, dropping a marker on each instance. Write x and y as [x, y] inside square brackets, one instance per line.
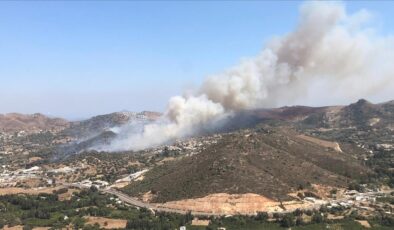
[330, 55]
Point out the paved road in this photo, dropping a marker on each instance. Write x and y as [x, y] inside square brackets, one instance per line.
[137, 203]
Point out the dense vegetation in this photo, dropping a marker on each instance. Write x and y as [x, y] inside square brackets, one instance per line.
[47, 210]
[383, 164]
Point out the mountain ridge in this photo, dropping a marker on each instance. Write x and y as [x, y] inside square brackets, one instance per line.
[13, 122]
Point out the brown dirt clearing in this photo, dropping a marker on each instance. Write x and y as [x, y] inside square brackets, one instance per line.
[106, 223]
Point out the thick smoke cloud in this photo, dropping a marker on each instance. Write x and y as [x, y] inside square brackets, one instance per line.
[330, 55]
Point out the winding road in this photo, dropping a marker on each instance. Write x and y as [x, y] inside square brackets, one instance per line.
[138, 203]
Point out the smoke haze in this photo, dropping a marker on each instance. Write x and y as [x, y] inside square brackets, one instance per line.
[330, 55]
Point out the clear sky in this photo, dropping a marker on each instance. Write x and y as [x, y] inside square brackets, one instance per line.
[77, 59]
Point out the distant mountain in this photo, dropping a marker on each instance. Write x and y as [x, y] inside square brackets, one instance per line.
[360, 114]
[98, 130]
[94, 126]
[12, 122]
[250, 118]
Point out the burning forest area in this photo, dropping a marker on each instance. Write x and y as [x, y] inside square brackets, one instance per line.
[282, 139]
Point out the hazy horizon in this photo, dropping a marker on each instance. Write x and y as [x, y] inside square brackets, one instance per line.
[79, 59]
[76, 118]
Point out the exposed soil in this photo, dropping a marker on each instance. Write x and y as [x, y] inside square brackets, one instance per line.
[327, 144]
[67, 195]
[31, 191]
[16, 227]
[364, 223]
[106, 223]
[232, 204]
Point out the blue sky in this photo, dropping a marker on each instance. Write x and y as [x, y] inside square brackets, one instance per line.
[78, 59]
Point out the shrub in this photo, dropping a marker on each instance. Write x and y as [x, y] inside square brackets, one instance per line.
[323, 209]
[298, 212]
[276, 215]
[309, 212]
[388, 221]
[299, 221]
[61, 191]
[262, 216]
[287, 221]
[317, 218]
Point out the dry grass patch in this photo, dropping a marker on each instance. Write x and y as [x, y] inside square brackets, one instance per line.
[30, 191]
[147, 197]
[197, 222]
[34, 159]
[120, 184]
[67, 195]
[326, 144]
[334, 217]
[364, 223]
[16, 227]
[106, 223]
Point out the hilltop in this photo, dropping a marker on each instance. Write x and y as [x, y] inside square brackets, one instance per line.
[14, 122]
[97, 124]
[268, 161]
[273, 152]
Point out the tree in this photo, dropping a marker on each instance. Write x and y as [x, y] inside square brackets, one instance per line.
[387, 220]
[287, 221]
[262, 216]
[96, 226]
[78, 222]
[298, 212]
[27, 227]
[309, 212]
[355, 186]
[93, 189]
[188, 217]
[317, 218]
[300, 195]
[41, 214]
[276, 215]
[166, 152]
[299, 221]
[323, 209]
